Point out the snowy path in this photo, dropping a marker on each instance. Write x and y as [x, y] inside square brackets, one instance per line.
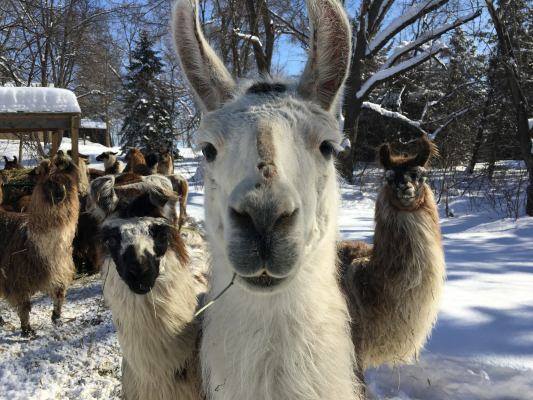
[481, 348]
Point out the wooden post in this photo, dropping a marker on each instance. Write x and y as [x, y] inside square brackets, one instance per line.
[74, 130]
[20, 148]
[56, 142]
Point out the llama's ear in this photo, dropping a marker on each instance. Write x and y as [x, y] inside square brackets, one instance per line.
[15, 159]
[426, 149]
[329, 53]
[384, 154]
[207, 75]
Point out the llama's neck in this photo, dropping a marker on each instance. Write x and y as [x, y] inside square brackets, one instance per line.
[407, 244]
[112, 166]
[294, 344]
[51, 229]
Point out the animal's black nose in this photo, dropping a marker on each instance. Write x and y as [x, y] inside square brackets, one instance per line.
[139, 271]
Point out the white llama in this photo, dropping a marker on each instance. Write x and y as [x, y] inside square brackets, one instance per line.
[282, 332]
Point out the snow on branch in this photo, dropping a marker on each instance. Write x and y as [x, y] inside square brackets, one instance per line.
[5, 65]
[246, 36]
[450, 119]
[408, 17]
[427, 36]
[387, 73]
[392, 114]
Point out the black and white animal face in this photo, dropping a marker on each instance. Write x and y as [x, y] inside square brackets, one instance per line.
[108, 158]
[406, 183]
[136, 246]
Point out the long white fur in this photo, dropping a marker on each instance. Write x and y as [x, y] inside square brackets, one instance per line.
[157, 331]
[294, 344]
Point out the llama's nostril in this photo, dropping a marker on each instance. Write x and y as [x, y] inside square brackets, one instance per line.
[286, 218]
[241, 218]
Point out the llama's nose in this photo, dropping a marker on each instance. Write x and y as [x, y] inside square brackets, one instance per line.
[264, 209]
[138, 269]
[264, 222]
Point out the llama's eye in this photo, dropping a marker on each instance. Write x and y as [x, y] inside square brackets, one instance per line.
[328, 149]
[414, 176]
[209, 152]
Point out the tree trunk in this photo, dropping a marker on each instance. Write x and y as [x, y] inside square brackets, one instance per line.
[495, 138]
[353, 105]
[479, 134]
[21, 141]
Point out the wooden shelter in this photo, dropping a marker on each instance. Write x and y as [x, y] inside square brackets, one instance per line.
[95, 131]
[38, 109]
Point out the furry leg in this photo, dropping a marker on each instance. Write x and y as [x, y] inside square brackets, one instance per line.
[58, 296]
[23, 311]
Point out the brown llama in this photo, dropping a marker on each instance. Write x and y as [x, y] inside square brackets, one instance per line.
[394, 288]
[36, 247]
[83, 173]
[11, 164]
[165, 166]
[181, 188]
[136, 162]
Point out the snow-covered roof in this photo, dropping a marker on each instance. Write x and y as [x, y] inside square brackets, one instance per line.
[37, 100]
[91, 124]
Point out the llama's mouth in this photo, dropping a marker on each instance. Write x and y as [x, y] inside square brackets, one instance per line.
[263, 281]
[140, 288]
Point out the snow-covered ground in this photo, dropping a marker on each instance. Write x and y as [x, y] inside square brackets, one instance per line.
[481, 348]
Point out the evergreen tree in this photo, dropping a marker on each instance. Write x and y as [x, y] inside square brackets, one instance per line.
[147, 117]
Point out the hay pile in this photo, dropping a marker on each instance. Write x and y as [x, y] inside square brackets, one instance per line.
[19, 183]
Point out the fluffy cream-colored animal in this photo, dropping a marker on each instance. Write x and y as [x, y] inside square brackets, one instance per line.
[282, 331]
[395, 287]
[152, 282]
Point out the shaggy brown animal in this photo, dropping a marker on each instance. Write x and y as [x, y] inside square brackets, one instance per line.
[12, 164]
[95, 173]
[83, 173]
[36, 247]
[165, 166]
[181, 187]
[136, 162]
[394, 288]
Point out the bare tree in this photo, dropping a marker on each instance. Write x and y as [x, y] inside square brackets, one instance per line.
[371, 39]
[519, 99]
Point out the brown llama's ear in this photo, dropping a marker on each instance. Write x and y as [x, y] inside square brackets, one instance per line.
[6, 160]
[384, 154]
[426, 149]
[15, 160]
[329, 53]
[207, 75]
